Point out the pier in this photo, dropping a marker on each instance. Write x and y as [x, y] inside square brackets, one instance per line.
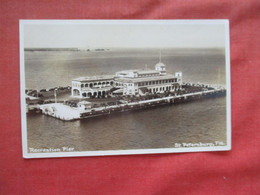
[85, 109]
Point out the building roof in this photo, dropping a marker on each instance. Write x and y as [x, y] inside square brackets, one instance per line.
[94, 78]
[160, 64]
[148, 71]
[145, 79]
[127, 71]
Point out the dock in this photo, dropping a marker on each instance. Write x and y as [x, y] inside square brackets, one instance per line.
[68, 113]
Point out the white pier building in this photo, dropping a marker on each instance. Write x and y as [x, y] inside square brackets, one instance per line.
[128, 82]
[92, 86]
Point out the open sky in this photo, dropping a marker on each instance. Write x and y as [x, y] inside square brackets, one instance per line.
[126, 34]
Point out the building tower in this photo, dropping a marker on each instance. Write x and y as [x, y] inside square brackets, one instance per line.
[179, 77]
[160, 66]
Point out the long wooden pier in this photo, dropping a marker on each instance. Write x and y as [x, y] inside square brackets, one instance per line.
[67, 113]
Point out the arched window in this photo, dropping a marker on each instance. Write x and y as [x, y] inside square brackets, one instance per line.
[76, 92]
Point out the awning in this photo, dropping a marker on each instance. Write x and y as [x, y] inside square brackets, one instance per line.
[118, 91]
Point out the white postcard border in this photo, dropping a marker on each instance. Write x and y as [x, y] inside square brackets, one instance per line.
[26, 154]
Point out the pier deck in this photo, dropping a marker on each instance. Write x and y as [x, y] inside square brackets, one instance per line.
[67, 113]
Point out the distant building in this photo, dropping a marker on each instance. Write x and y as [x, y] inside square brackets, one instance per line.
[128, 82]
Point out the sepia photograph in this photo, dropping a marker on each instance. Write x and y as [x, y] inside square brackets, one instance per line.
[117, 87]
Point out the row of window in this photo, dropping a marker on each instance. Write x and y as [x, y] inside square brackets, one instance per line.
[157, 82]
[97, 84]
[119, 84]
[159, 89]
[151, 82]
[148, 75]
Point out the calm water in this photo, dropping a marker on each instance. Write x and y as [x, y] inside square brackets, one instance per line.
[201, 121]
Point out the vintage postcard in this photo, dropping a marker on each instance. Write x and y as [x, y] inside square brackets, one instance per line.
[113, 87]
